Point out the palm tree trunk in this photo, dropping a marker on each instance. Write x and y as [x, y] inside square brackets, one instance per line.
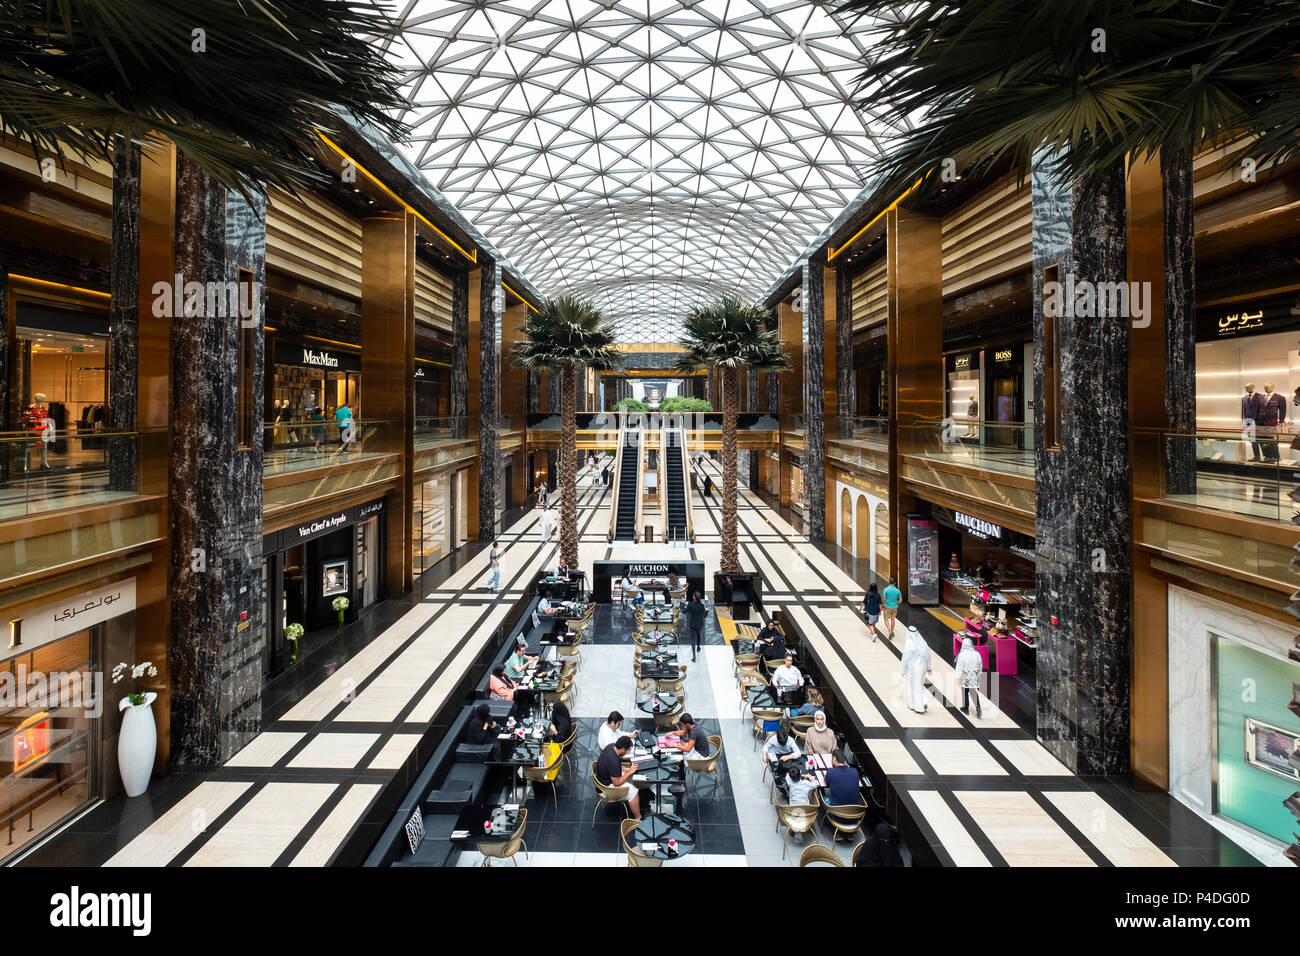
[569, 468]
[730, 551]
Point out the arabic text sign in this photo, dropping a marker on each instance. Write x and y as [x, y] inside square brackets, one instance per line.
[73, 614]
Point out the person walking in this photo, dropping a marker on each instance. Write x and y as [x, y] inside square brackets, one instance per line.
[893, 597]
[870, 608]
[914, 666]
[494, 562]
[343, 415]
[317, 427]
[547, 522]
[543, 495]
[969, 668]
[695, 614]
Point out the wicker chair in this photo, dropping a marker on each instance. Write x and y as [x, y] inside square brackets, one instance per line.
[745, 662]
[709, 764]
[817, 853]
[571, 651]
[566, 749]
[634, 856]
[797, 818]
[562, 694]
[760, 716]
[845, 819]
[668, 718]
[542, 775]
[608, 795]
[506, 849]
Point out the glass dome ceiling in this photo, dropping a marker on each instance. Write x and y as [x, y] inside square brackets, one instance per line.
[647, 155]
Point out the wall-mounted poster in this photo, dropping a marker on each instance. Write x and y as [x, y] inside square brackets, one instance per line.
[1272, 748]
[334, 577]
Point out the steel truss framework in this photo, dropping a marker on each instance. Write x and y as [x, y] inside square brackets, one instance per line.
[648, 155]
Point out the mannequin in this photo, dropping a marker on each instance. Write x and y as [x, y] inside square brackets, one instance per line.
[1272, 413]
[37, 420]
[1250, 405]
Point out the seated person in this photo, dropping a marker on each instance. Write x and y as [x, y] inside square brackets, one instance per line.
[690, 739]
[562, 570]
[674, 581]
[820, 739]
[781, 751]
[482, 728]
[610, 730]
[561, 723]
[799, 787]
[626, 584]
[810, 706]
[786, 679]
[544, 608]
[610, 772]
[519, 662]
[843, 785]
[501, 687]
[771, 642]
[881, 848]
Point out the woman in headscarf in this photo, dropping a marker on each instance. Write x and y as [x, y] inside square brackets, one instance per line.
[561, 722]
[915, 665]
[482, 728]
[820, 739]
[881, 848]
[969, 667]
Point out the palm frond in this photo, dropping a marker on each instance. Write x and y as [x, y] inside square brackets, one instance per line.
[566, 332]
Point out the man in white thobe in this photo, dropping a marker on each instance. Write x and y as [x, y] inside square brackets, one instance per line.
[915, 665]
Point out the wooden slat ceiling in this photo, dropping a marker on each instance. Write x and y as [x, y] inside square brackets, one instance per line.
[315, 241]
[988, 238]
[432, 296]
[870, 296]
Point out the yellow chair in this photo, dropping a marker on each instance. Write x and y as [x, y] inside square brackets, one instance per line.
[817, 853]
[797, 818]
[506, 849]
[548, 773]
[634, 856]
[709, 764]
[608, 795]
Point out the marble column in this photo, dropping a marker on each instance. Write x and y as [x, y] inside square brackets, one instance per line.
[846, 383]
[460, 351]
[1180, 319]
[489, 447]
[7, 449]
[1084, 521]
[814, 398]
[124, 317]
[215, 518]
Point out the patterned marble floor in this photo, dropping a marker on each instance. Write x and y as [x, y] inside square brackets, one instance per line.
[982, 792]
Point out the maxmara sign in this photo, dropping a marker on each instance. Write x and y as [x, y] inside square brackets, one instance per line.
[322, 359]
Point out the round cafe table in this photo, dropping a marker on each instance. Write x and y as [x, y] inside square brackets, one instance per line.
[655, 588]
[659, 638]
[667, 704]
[668, 654]
[658, 829]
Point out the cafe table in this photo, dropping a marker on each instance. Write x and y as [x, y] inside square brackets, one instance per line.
[654, 770]
[516, 752]
[817, 765]
[652, 834]
[658, 615]
[655, 588]
[472, 824]
[761, 697]
[662, 653]
[659, 638]
[660, 670]
[667, 703]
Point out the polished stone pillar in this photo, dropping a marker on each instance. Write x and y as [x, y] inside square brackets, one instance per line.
[814, 401]
[124, 317]
[215, 519]
[846, 383]
[790, 324]
[460, 350]
[489, 395]
[1179, 270]
[7, 450]
[1084, 522]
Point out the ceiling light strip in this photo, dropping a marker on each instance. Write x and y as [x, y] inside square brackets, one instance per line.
[832, 253]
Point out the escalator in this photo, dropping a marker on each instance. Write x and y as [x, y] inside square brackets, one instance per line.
[677, 509]
[627, 498]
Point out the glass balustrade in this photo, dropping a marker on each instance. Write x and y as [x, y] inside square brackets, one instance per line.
[1247, 473]
[54, 469]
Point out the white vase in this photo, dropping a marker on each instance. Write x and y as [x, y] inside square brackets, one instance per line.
[137, 743]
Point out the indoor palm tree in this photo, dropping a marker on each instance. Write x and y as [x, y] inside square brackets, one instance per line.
[567, 333]
[1077, 88]
[729, 335]
[239, 86]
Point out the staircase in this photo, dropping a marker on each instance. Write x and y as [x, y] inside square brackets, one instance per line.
[676, 525]
[629, 491]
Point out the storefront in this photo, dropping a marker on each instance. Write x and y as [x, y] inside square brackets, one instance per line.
[432, 389]
[307, 566]
[58, 713]
[1251, 343]
[1234, 717]
[439, 518]
[60, 371]
[308, 374]
[988, 395]
[796, 484]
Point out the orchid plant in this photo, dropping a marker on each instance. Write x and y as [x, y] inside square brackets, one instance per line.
[291, 634]
[133, 672]
[340, 604]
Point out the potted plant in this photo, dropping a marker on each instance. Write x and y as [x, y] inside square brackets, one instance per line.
[291, 634]
[340, 604]
[137, 742]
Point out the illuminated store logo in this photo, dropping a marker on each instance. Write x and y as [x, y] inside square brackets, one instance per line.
[1002, 355]
[323, 359]
[307, 530]
[961, 361]
[978, 526]
[647, 569]
[1240, 322]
